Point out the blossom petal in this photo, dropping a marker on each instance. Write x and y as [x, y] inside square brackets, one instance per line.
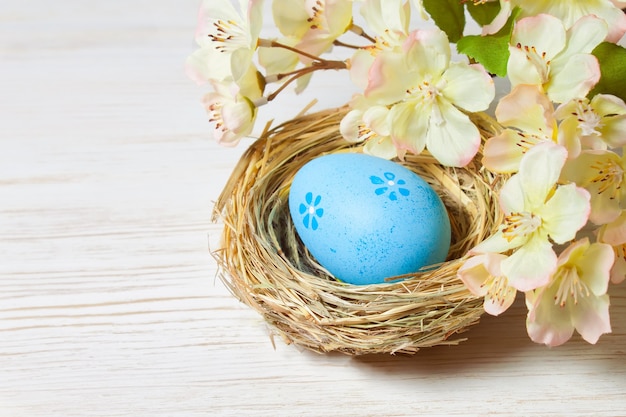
[408, 131]
[618, 272]
[614, 233]
[539, 171]
[574, 79]
[607, 104]
[543, 32]
[502, 153]
[349, 127]
[521, 70]
[427, 51]
[207, 63]
[455, 141]
[583, 37]
[496, 305]
[527, 108]
[591, 317]
[497, 243]
[474, 274]
[547, 322]
[386, 85]
[381, 146]
[595, 267]
[531, 265]
[468, 86]
[376, 118]
[565, 213]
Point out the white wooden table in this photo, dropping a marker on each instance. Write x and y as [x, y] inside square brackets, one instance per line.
[109, 305]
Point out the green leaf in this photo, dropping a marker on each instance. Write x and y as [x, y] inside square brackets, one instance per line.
[449, 16]
[612, 60]
[483, 13]
[492, 51]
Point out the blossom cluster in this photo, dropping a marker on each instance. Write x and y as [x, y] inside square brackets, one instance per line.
[564, 122]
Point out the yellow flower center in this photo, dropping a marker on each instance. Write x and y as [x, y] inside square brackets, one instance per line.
[229, 35]
[520, 225]
[588, 120]
[499, 289]
[570, 286]
[609, 176]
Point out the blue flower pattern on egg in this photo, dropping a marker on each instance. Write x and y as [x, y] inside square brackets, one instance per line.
[311, 211]
[391, 184]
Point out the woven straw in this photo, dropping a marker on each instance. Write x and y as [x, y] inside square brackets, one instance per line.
[264, 264]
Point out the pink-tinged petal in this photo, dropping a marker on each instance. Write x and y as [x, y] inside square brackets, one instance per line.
[527, 108]
[498, 22]
[547, 323]
[386, 83]
[614, 233]
[427, 51]
[468, 86]
[474, 275]
[350, 126]
[502, 153]
[360, 64]
[574, 79]
[591, 317]
[454, 142]
[565, 213]
[618, 272]
[539, 170]
[543, 32]
[617, 23]
[531, 265]
[238, 116]
[497, 303]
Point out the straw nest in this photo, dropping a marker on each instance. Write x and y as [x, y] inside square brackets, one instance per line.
[265, 265]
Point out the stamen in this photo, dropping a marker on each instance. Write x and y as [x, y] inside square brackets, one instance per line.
[588, 120]
[538, 59]
[609, 177]
[316, 15]
[499, 289]
[570, 286]
[520, 225]
[229, 35]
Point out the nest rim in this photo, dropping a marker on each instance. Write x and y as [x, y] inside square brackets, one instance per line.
[265, 265]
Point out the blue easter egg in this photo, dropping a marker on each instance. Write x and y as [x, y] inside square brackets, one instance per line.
[366, 219]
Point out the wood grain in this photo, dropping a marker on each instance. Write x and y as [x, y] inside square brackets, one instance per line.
[109, 305]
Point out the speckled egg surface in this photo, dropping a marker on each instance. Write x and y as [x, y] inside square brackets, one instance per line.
[366, 219]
